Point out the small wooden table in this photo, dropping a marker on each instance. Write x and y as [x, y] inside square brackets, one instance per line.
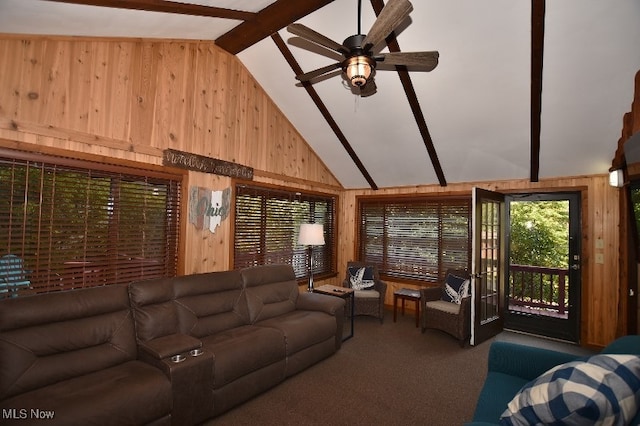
[406, 294]
[342, 292]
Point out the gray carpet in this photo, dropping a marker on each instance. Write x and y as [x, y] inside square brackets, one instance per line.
[389, 374]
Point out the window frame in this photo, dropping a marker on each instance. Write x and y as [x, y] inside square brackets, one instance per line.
[411, 200]
[326, 267]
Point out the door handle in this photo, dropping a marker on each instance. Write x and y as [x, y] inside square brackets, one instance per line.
[575, 266]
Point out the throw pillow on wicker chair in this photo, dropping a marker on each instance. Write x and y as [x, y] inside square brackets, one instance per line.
[361, 278]
[455, 289]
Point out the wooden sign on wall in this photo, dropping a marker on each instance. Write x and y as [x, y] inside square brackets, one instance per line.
[200, 163]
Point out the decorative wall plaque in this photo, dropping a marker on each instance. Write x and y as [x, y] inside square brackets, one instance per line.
[207, 208]
[200, 163]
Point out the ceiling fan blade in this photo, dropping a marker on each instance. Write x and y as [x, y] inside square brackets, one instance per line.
[318, 72]
[312, 47]
[425, 61]
[311, 35]
[390, 17]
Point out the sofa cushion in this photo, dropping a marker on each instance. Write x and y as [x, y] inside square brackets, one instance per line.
[127, 394]
[601, 389]
[455, 289]
[302, 329]
[42, 344]
[210, 303]
[243, 350]
[271, 291]
[154, 309]
[361, 278]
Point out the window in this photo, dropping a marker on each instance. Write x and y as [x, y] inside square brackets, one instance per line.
[77, 223]
[267, 222]
[415, 239]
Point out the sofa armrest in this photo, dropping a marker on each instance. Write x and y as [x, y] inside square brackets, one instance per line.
[320, 302]
[191, 379]
[526, 362]
[167, 346]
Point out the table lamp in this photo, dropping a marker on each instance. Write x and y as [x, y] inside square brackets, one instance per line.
[311, 234]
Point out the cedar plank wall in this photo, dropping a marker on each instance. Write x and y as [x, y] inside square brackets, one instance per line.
[129, 99]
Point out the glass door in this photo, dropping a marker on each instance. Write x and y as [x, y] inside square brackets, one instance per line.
[543, 290]
[488, 264]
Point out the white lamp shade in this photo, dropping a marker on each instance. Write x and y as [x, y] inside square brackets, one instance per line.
[311, 234]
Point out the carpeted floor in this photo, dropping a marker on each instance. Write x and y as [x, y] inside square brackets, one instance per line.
[389, 374]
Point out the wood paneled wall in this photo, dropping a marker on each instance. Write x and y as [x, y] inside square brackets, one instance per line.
[130, 99]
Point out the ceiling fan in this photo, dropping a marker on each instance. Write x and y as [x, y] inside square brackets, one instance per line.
[360, 58]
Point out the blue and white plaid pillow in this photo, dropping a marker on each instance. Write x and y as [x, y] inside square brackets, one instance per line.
[603, 389]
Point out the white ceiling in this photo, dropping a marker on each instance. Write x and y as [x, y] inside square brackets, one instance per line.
[476, 103]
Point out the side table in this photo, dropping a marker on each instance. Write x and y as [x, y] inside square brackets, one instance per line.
[342, 292]
[405, 294]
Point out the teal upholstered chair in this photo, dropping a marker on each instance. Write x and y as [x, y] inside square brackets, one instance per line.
[12, 274]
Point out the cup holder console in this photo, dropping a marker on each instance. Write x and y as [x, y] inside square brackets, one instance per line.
[178, 358]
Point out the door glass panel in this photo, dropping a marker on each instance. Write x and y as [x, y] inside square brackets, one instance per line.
[539, 258]
[489, 261]
[543, 277]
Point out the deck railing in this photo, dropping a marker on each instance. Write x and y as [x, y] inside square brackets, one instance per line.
[538, 288]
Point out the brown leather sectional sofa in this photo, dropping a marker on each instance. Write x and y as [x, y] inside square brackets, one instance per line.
[105, 355]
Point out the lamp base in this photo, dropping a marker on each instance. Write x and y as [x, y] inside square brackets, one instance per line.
[310, 285]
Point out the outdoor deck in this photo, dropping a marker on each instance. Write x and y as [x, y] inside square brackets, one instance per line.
[539, 290]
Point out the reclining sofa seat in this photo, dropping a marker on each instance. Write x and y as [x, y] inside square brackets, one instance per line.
[73, 354]
[255, 324]
[309, 322]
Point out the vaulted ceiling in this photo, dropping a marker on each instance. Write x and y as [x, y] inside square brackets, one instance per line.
[523, 89]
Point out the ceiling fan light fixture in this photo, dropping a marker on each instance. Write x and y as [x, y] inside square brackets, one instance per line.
[359, 69]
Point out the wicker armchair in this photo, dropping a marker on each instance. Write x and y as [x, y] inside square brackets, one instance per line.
[446, 316]
[368, 302]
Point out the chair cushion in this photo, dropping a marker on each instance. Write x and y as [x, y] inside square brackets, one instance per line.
[603, 389]
[441, 305]
[455, 289]
[361, 278]
[366, 294]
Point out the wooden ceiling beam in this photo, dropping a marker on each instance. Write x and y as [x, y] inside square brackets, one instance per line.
[410, 92]
[268, 21]
[167, 7]
[537, 55]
